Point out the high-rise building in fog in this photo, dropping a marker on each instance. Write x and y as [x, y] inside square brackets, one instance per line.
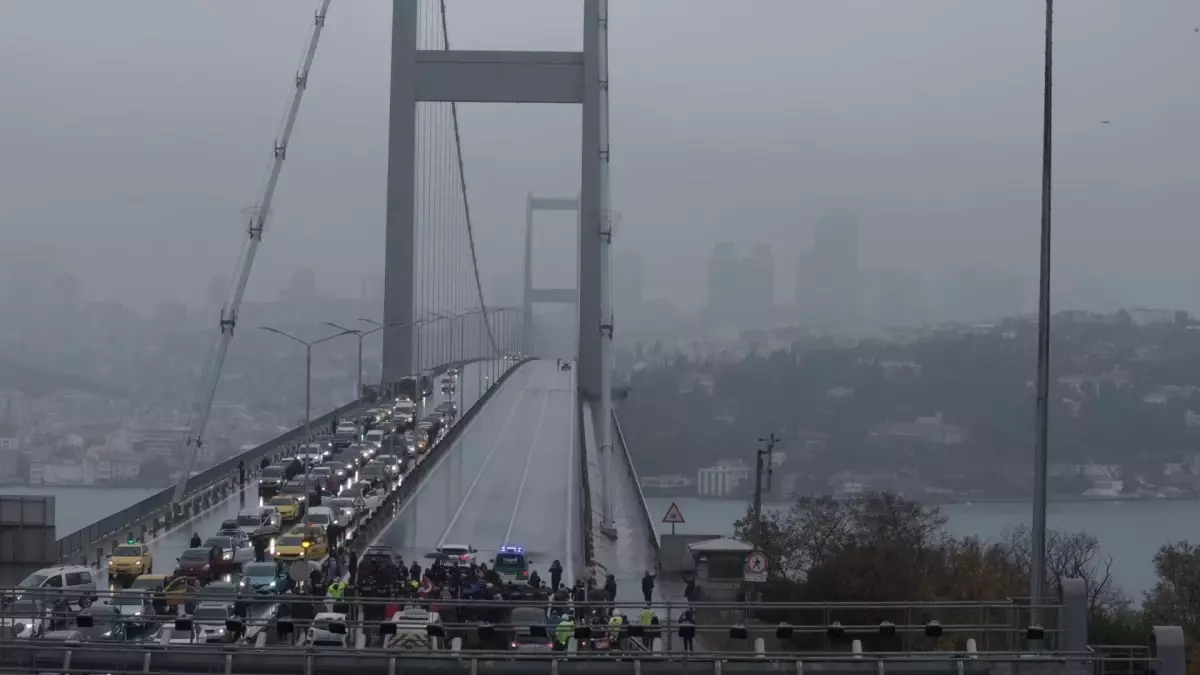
[758, 284]
[983, 294]
[827, 276]
[723, 271]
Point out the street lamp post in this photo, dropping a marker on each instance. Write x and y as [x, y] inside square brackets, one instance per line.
[308, 345]
[362, 334]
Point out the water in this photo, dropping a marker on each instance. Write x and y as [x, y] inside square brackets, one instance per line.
[1129, 532]
[75, 508]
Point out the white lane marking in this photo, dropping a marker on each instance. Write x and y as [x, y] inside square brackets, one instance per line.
[537, 431]
[486, 460]
[572, 507]
[449, 451]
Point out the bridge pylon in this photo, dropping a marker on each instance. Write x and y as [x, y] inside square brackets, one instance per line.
[531, 295]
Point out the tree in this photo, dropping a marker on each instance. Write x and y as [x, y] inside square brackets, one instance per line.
[1175, 597]
[1069, 555]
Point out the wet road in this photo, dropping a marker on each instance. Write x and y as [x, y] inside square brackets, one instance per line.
[510, 479]
[171, 544]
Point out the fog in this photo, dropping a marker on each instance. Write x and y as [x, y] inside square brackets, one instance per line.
[134, 132]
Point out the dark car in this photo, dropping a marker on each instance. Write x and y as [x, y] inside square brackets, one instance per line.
[107, 625]
[199, 563]
[270, 479]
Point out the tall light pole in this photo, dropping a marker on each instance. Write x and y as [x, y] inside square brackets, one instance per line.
[1038, 563]
[308, 345]
[361, 334]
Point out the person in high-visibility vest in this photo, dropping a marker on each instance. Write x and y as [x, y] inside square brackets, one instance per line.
[337, 590]
[614, 630]
[565, 631]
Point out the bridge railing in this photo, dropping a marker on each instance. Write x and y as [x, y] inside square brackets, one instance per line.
[637, 484]
[214, 483]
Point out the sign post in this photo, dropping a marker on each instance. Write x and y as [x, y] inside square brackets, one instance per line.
[674, 516]
[757, 566]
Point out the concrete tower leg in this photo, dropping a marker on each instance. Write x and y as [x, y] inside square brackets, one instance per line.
[590, 212]
[401, 242]
[527, 295]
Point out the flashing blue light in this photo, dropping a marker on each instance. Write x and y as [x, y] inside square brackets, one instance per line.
[512, 549]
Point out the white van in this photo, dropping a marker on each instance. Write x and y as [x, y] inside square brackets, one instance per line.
[375, 436]
[76, 582]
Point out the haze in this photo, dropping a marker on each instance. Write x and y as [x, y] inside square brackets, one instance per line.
[134, 132]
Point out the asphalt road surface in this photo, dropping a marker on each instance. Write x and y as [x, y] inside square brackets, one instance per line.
[510, 478]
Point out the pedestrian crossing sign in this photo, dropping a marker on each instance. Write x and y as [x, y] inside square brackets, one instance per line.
[674, 515]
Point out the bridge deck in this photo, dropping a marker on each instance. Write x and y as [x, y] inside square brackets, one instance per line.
[509, 478]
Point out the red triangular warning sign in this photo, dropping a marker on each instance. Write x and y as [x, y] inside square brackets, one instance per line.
[674, 515]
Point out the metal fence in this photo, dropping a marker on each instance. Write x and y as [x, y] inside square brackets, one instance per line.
[653, 529]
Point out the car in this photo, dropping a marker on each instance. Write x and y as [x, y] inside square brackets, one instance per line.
[265, 577]
[130, 560]
[220, 592]
[523, 619]
[105, 623]
[323, 477]
[314, 453]
[167, 592]
[200, 563]
[133, 605]
[287, 506]
[346, 509]
[460, 554]
[392, 462]
[302, 544]
[320, 516]
[511, 565]
[374, 470]
[209, 620]
[341, 470]
[375, 437]
[270, 479]
[235, 533]
[345, 434]
[320, 634]
[259, 521]
[296, 489]
[233, 552]
[75, 582]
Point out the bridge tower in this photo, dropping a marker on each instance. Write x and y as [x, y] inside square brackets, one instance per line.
[533, 295]
[492, 77]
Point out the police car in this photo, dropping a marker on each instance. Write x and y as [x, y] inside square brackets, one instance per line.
[511, 565]
[461, 555]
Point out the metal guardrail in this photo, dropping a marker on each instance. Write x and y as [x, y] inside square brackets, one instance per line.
[32, 656]
[158, 504]
[655, 541]
[223, 474]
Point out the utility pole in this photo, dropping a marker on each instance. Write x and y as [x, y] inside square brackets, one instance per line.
[770, 440]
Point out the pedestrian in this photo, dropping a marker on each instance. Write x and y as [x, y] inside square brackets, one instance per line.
[556, 573]
[687, 630]
[241, 473]
[353, 567]
[610, 588]
[263, 464]
[648, 586]
[195, 543]
[260, 549]
[689, 591]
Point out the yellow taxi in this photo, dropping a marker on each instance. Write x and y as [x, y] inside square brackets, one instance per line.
[130, 560]
[288, 507]
[167, 591]
[302, 543]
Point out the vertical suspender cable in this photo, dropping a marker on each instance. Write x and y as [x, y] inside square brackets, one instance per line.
[487, 324]
[211, 375]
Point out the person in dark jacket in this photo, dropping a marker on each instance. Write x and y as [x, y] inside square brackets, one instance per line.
[264, 464]
[556, 572]
[293, 469]
[648, 586]
[689, 591]
[195, 543]
[241, 473]
[352, 566]
[610, 588]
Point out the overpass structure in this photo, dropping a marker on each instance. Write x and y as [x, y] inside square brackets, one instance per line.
[540, 461]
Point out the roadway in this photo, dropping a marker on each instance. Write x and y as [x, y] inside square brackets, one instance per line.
[170, 544]
[509, 479]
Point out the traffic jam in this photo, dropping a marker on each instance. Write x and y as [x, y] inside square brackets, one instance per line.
[281, 563]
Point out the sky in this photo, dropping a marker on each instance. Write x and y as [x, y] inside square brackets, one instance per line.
[134, 132]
